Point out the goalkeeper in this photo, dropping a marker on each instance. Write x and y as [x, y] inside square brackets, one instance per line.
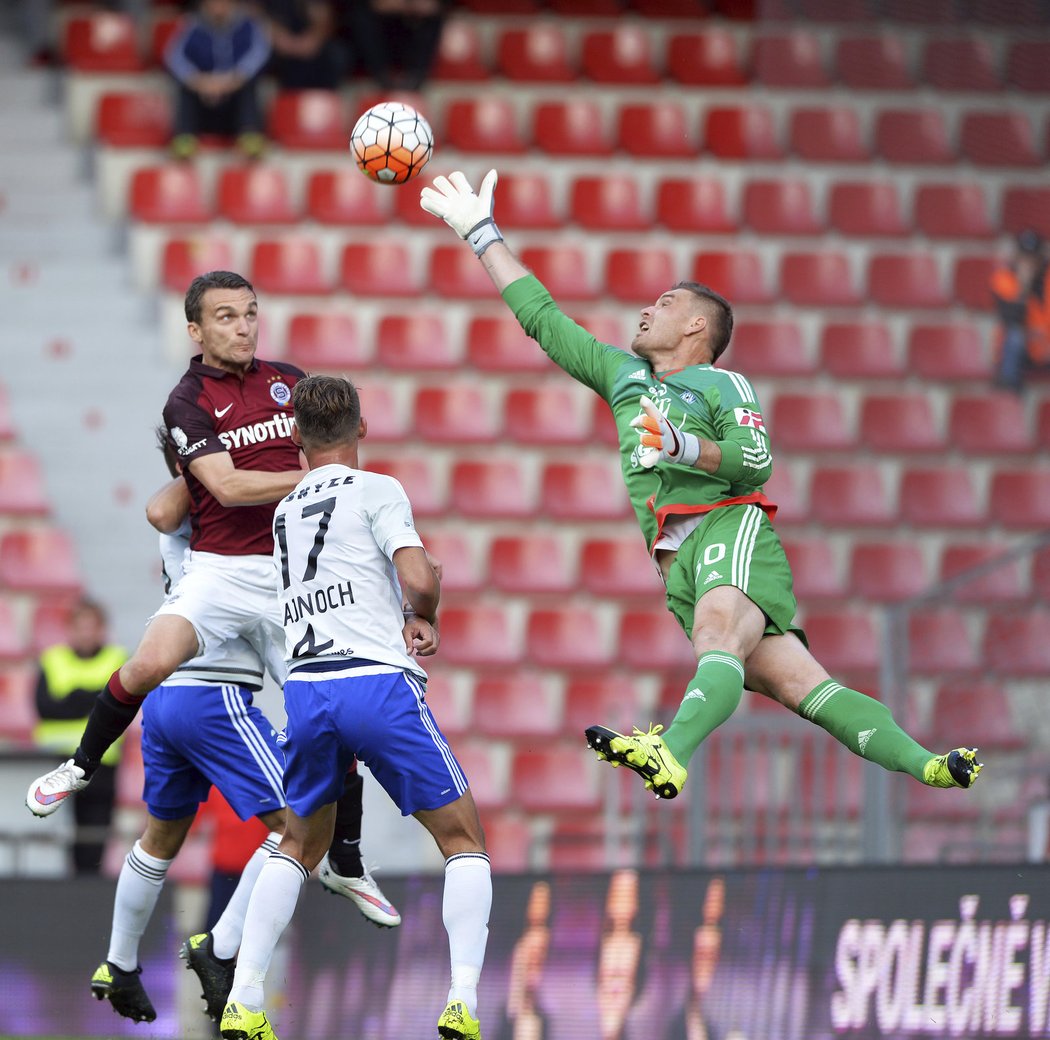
[695, 453]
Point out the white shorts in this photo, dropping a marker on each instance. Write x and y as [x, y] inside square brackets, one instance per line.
[228, 596]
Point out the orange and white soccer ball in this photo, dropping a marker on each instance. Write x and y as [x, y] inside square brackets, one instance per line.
[391, 142]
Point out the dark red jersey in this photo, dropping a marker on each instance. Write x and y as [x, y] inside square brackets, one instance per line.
[210, 411]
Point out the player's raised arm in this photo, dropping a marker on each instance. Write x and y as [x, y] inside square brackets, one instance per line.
[168, 507]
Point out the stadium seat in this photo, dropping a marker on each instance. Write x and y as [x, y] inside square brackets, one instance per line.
[492, 490]
[953, 211]
[814, 570]
[39, 560]
[867, 209]
[170, 194]
[770, 348]
[873, 63]
[478, 635]
[785, 488]
[844, 639]
[853, 496]
[913, 136]
[1041, 575]
[415, 342]
[971, 279]
[488, 124]
[902, 280]
[530, 565]
[22, 489]
[567, 637]
[999, 138]
[780, 207]
[326, 342]
[588, 490]
[737, 275]
[522, 706]
[834, 11]
[538, 781]
[617, 566]
[944, 496]
[818, 279]
[639, 275]
[603, 424]
[959, 64]
[694, 204]
[503, 6]
[669, 8]
[1028, 65]
[133, 119]
[498, 344]
[989, 424]
[482, 764]
[461, 56]
[810, 422]
[828, 134]
[255, 194]
[1025, 206]
[461, 559]
[1021, 498]
[608, 202]
[614, 699]
[961, 709]
[1030, 14]
[290, 265]
[105, 41]
[49, 623]
[546, 415]
[944, 352]
[742, 132]
[606, 327]
[388, 420]
[655, 130]
[587, 8]
[7, 421]
[14, 647]
[17, 685]
[900, 423]
[524, 201]
[571, 128]
[711, 58]
[536, 53]
[422, 483]
[621, 56]
[182, 259]
[927, 808]
[454, 414]
[859, 350]
[887, 572]
[1001, 584]
[564, 270]
[342, 197]
[789, 59]
[928, 13]
[648, 638]
[1018, 643]
[377, 268]
[309, 120]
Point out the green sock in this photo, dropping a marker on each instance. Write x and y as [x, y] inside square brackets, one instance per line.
[865, 726]
[711, 698]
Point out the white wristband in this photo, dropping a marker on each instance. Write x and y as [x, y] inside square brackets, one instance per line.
[482, 235]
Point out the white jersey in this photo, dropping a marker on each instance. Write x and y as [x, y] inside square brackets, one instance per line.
[335, 537]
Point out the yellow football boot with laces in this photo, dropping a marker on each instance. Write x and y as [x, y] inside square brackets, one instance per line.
[645, 753]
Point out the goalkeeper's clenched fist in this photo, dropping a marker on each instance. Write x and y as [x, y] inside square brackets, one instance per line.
[468, 214]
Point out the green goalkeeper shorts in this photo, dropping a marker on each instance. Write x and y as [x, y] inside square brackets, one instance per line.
[735, 545]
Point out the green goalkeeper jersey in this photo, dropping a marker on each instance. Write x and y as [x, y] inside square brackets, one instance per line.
[713, 403]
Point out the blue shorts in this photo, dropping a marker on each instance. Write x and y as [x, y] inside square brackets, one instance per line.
[196, 736]
[378, 714]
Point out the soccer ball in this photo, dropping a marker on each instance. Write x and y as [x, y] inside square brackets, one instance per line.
[391, 142]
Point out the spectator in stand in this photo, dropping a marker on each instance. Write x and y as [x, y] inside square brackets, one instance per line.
[216, 60]
[397, 39]
[306, 55]
[70, 678]
[1021, 289]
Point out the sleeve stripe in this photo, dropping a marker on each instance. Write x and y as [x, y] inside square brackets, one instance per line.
[742, 387]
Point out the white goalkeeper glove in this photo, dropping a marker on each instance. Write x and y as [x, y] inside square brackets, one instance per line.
[662, 441]
[469, 215]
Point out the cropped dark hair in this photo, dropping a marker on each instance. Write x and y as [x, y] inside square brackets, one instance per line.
[211, 280]
[722, 328]
[327, 410]
[167, 449]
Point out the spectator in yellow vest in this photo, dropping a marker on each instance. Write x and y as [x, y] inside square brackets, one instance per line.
[71, 676]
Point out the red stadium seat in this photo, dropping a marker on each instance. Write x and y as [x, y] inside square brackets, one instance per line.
[424, 487]
[415, 342]
[786, 490]
[460, 558]
[843, 640]
[530, 564]
[608, 202]
[587, 8]
[17, 710]
[478, 635]
[133, 119]
[326, 341]
[1000, 584]
[836, 11]
[460, 54]
[382, 409]
[39, 559]
[859, 350]
[377, 268]
[914, 136]
[941, 497]
[457, 414]
[978, 707]
[49, 624]
[255, 194]
[583, 491]
[161, 34]
[617, 566]
[14, 648]
[947, 352]
[7, 422]
[639, 275]
[537, 53]
[486, 124]
[613, 699]
[960, 64]
[291, 265]
[575, 127]
[1041, 575]
[1028, 65]
[780, 207]
[901, 280]
[491, 490]
[789, 59]
[695, 204]
[309, 120]
[873, 63]
[737, 275]
[711, 58]
[742, 132]
[105, 41]
[1021, 498]
[563, 270]
[655, 130]
[522, 706]
[810, 422]
[989, 424]
[887, 572]
[525, 201]
[669, 8]
[953, 211]
[1026, 207]
[22, 488]
[546, 415]
[1028, 13]
[483, 767]
[619, 56]
[649, 638]
[971, 279]
[821, 279]
[538, 781]
[170, 194]
[182, 259]
[455, 272]
[814, 570]
[345, 198]
[999, 138]
[930, 12]
[850, 497]
[770, 348]
[1018, 643]
[566, 637]
[831, 134]
[498, 344]
[605, 327]
[900, 423]
[866, 209]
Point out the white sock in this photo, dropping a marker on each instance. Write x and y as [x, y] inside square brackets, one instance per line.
[465, 912]
[226, 935]
[270, 909]
[138, 887]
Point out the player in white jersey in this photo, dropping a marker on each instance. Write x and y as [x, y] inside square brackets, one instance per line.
[349, 557]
